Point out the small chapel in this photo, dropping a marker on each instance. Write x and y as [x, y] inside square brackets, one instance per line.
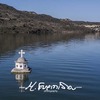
[21, 64]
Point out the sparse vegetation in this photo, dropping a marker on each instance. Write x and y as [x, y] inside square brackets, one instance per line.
[14, 22]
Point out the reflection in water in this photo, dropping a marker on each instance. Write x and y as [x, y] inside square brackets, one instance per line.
[21, 79]
[11, 43]
[92, 36]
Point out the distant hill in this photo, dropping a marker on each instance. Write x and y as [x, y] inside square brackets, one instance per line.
[15, 22]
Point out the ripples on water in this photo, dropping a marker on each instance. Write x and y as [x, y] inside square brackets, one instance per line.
[75, 62]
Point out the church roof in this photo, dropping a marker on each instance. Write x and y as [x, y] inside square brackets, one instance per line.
[21, 60]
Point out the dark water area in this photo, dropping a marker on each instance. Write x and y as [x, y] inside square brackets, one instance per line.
[73, 60]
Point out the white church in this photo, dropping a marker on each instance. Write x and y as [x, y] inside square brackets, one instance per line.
[21, 64]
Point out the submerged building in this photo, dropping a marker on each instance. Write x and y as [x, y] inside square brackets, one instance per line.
[21, 64]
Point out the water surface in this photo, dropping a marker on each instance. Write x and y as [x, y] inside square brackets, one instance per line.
[73, 61]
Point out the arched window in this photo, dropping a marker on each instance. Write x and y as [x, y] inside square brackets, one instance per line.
[20, 65]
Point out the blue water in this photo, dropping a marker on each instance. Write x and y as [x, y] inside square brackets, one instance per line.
[75, 62]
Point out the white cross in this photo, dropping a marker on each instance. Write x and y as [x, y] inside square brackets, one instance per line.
[21, 53]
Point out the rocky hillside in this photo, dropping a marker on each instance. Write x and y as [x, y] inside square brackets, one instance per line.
[15, 22]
